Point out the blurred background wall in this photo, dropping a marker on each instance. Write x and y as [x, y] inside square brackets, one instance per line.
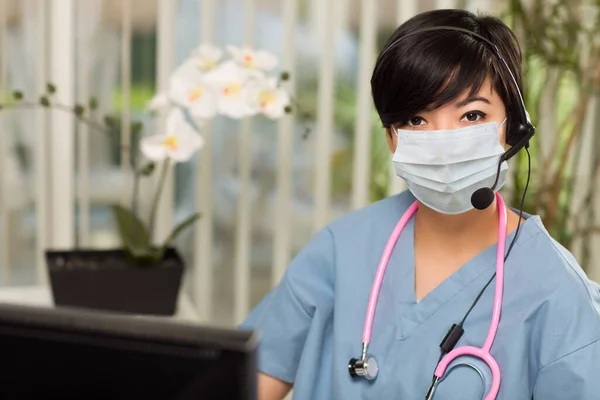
[264, 188]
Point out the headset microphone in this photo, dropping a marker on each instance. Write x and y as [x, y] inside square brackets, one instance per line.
[483, 197]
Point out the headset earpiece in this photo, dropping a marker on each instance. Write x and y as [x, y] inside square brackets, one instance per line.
[524, 133]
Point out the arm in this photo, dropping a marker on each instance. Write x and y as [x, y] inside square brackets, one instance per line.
[291, 321]
[270, 388]
[573, 376]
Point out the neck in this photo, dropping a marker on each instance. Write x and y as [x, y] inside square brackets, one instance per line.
[473, 226]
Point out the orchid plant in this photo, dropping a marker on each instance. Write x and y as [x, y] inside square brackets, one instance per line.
[204, 86]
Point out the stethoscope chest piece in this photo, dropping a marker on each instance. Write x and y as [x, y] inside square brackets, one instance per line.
[366, 367]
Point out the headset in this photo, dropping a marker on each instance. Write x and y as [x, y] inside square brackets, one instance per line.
[482, 198]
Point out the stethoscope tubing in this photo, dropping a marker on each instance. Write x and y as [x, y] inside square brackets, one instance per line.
[383, 263]
[482, 353]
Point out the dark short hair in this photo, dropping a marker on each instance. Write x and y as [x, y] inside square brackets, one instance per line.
[429, 69]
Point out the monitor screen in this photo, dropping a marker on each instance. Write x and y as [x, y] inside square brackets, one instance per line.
[63, 353]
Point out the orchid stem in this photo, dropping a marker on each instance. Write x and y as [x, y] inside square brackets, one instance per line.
[60, 107]
[136, 190]
[159, 190]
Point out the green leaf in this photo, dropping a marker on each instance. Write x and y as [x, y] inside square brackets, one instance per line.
[288, 109]
[44, 101]
[179, 229]
[285, 76]
[17, 95]
[145, 257]
[93, 103]
[110, 121]
[79, 110]
[50, 88]
[132, 231]
[147, 169]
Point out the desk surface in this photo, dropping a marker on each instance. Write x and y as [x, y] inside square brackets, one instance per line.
[41, 296]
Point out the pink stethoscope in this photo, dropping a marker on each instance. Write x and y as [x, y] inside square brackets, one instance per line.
[367, 367]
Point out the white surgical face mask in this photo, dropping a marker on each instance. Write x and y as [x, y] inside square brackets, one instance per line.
[443, 168]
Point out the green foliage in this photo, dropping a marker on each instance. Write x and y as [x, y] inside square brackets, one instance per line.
[79, 110]
[133, 233]
[561, 53]
[44, 101]
[50, 88]
[17, 95]
[135, 237]
[110, 121]
[179, 229]
[147, 169]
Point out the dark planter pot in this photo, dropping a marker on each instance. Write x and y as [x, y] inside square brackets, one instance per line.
[106, 280]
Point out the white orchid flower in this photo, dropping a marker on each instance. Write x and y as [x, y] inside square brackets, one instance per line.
[229, 82]
[265, 97]
[179, 143]
[188, 89]
[158, 102]
[253, 60]
[206, 57]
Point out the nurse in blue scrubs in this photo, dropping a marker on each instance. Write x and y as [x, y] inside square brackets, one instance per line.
[450, 104]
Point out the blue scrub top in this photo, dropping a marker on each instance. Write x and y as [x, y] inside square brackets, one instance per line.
[548, 342]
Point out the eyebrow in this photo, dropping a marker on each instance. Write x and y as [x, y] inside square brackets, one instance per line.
[472, 99]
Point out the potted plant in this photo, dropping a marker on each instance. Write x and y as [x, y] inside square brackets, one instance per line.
[142, 276]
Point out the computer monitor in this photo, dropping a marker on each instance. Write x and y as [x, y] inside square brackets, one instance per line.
[75, 354]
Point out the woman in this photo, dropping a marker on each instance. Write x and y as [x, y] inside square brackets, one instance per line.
[450, 104]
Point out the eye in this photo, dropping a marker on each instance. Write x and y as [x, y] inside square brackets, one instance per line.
[416, 121]
[473, 116]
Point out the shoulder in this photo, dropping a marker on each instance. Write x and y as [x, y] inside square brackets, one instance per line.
[348, 234]
[560, 270]
[350, 237]
[377, 215]
[564, 302]
[358, 238]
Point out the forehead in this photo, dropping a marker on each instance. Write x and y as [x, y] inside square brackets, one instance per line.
[485, 91]
[487, 88]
